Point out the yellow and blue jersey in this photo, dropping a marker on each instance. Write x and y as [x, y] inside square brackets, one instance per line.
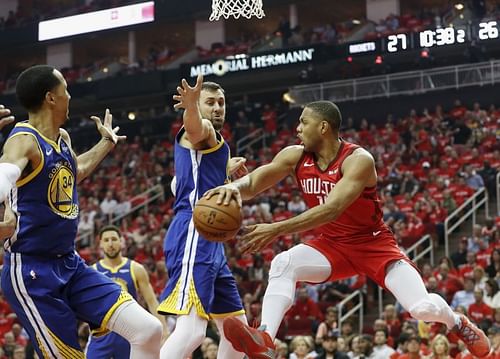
[46, 283]
[198, 272]
[112, 345]
[123, 275]
[46, 201]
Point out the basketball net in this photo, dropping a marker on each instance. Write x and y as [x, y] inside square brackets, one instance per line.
[236, 8]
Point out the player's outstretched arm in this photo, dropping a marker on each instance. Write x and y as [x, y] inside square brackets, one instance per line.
[358, 172]
[18, 151]
[260, 179]
[188, 97]
[146, 290]
[88, 161]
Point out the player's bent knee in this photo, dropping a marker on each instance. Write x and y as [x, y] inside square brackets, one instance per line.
[425, 309]
[280, 265]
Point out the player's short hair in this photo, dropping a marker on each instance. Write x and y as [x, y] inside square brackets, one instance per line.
[327, 111]
[109, 228]
[33, 84]
[211, 86]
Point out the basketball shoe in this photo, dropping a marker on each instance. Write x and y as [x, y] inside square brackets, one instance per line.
[255, 343]
[474, 338]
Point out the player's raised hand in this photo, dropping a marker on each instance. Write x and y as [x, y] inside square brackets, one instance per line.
[188, 95]
[258, 236]
[105, 128]
[236, 167]
[5, 117]
[224, 194]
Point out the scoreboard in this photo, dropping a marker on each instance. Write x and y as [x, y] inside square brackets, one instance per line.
[430, 38]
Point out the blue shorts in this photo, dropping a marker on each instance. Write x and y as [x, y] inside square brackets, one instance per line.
[198, 274]
[109, 346]
[50, 296]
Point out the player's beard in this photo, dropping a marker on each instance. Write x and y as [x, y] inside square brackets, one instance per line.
[218, 123]
[113, 255]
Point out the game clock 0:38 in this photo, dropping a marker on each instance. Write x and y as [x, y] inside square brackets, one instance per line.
[395, 43]
[441, 36]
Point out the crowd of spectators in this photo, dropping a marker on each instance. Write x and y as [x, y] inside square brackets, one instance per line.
[428, 165]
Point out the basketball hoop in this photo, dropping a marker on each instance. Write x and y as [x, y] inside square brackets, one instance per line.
[236, 8]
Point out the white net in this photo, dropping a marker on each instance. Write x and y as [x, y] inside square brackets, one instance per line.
[236, 8]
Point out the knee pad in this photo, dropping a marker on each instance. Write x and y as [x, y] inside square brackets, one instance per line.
[425, 309]
[280, 265]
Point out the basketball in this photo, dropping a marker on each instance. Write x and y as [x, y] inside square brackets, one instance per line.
[217, 223]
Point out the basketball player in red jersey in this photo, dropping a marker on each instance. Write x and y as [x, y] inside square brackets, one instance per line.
[338, 181]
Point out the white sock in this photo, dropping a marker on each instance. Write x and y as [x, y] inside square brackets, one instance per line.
[188, 334]
[407, 286]
[300, 263]
[141, 329]
[226, 350]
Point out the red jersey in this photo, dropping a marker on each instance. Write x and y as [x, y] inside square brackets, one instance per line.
[364, 216]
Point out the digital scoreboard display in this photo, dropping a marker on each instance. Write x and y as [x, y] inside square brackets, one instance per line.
[430, 38]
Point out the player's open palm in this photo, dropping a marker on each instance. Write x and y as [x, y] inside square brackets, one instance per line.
[188, 95]
[257, 237]
[106, 129]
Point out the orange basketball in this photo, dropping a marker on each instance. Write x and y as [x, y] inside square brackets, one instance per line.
[217, 223]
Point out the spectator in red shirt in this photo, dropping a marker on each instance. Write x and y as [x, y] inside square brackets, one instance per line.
[448, 284]
[483, 255]
[458, 109]
[461, 192]
[478, 311]
[465, 270]
[269, 117]
[391, 318]
[159, 278]
[305, 307]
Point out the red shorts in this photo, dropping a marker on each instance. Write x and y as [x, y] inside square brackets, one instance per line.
[369, 255]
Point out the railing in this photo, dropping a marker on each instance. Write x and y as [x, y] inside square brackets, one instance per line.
[249, 140]
[474, 202]
[404, 83]
[357, 308]
[415, 253]
[149, 196]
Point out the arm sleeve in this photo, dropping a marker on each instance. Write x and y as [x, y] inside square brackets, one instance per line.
[9, 174]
